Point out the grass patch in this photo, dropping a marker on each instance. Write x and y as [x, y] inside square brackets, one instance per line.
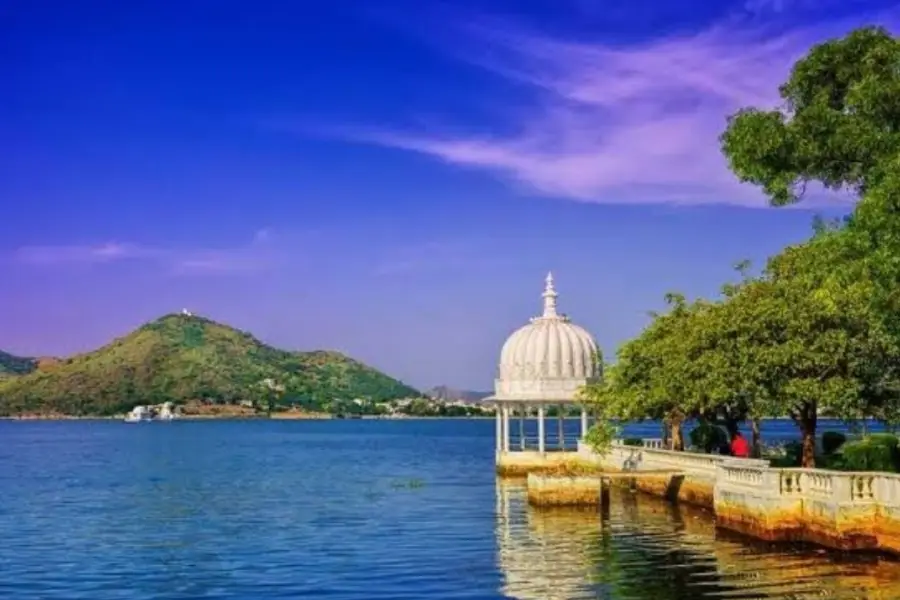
[408, 484]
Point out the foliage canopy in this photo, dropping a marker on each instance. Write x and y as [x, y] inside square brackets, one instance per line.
[818, 331]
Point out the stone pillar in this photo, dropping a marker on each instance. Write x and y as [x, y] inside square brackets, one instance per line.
[541, 428]
[499, 434]
[506, 428]
[523, 408]
[561, 415]
[584, 422]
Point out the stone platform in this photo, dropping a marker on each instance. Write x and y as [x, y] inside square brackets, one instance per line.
[520, 464]
[586, 490]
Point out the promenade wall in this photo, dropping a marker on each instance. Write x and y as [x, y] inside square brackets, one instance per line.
[835, 509]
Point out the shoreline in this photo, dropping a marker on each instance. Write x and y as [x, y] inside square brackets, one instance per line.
[223, 417]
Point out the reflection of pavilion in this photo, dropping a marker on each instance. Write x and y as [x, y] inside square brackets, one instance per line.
[648, 548]
[542, 554]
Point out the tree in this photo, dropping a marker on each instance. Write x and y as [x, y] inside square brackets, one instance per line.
[654, 376]
[839, 124]
[807, 340]
[269, 391]
[716, 368]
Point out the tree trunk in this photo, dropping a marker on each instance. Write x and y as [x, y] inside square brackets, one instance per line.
[755, 449]
[807, 422]
[731, 424]
[677, 437]
[665, 434]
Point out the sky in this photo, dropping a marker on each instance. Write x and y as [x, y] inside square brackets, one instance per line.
[392, 180]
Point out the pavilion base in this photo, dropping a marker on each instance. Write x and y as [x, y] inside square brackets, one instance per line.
[554, 490]
[520, 463]
[590, 489]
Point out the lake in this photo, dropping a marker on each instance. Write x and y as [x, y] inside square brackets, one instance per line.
[355, 510]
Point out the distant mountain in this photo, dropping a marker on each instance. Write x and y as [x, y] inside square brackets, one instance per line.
[443, 392]
[11, 364]
[182, 358]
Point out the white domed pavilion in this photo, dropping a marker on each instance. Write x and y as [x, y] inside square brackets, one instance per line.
[543, 363]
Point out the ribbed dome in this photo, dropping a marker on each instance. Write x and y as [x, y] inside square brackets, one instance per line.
[548, 359]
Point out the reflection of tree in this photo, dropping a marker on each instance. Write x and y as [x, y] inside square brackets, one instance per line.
[648, 548]
[640, 554]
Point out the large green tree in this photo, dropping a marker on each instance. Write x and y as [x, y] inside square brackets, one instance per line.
[839, 123]
[655, 375]
[800, 340]
[806, 339]
[839, 126]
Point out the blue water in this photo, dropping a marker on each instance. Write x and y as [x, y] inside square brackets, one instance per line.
[349, 510]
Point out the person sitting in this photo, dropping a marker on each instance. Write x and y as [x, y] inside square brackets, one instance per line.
[739, 446]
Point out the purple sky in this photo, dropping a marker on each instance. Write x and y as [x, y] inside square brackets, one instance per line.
[392, 182]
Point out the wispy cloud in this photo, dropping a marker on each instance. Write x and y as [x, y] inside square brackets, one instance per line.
[613, 123]
[254, 255]
[83, 254]
[768, 7]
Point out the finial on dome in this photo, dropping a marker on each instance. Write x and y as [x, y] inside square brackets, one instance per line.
[549, 297]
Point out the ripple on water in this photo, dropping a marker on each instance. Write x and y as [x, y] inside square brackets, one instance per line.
[647, 549]
[350, 510]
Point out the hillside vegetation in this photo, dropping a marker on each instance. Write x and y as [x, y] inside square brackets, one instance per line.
[185, 358]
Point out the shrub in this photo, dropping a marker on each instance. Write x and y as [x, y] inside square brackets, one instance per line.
[888, 439]
[600, 436]
[708, 437]
[793, 455]
[878, 452]
[633, 441]
[835, 462]
[831, 441]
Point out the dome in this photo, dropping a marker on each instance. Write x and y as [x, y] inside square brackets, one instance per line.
[548, 359]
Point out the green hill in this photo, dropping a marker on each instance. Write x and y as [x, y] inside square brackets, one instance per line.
[185, 358]
[15, 365]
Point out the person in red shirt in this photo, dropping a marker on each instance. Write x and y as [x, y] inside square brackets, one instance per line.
[739, 446]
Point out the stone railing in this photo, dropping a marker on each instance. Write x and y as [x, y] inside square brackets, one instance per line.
[692, 476]
[655, 443]
[886, 489]
[843, 510]
[730, 472]
[836, 486]
[743, 476]
[637, 458]
[840, 486]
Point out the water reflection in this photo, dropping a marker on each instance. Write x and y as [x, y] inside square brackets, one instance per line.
[649, 549]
